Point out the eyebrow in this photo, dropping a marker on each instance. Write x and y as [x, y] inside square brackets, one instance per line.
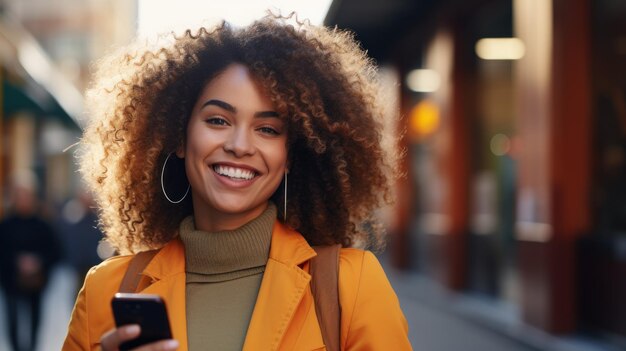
[230, 108]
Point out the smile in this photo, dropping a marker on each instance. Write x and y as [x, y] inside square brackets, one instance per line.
[234, 172]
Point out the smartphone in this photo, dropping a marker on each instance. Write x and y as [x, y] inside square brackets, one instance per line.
[148, 311]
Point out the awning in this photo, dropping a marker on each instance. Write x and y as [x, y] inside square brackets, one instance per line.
[379, 25]
[15, 100]
[34, 100]
[30, 81]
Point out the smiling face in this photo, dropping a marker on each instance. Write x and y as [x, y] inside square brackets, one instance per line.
[235, 153]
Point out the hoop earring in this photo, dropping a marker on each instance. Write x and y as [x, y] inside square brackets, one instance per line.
[163, 184]
[285, 203]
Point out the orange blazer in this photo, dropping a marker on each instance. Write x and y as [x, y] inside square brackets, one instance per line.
[284, 314]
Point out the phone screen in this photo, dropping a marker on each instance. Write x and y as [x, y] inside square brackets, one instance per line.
[148, 311]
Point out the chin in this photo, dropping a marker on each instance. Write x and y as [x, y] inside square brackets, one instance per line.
[235, 207]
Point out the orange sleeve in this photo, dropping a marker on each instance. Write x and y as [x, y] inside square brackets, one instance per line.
[371, 314]
[78, 331]
[92, 315]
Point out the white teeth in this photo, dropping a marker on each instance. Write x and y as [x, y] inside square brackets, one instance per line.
[232, 172]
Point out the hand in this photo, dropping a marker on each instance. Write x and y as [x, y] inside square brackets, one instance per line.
[112, 339]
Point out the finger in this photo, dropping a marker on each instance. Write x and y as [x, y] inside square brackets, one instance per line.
[112, 339]
[163, 345]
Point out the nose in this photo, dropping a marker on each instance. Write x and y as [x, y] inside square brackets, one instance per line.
[240, 143]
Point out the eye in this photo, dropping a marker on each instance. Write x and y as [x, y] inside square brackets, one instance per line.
[216, 120]
[269, 130]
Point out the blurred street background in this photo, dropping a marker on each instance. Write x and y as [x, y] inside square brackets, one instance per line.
[509, 232]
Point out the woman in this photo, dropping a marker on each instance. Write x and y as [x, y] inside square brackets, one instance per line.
[276, 131]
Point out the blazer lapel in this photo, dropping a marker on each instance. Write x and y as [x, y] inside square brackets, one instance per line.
[282, 289]
[167, 274]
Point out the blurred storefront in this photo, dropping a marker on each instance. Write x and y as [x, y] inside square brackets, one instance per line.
[515, 112]
[35, 123]
[46, 48]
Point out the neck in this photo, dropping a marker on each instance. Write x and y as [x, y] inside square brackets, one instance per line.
[216, 221]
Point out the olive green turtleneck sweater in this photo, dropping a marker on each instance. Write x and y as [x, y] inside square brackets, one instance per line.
[224, 272]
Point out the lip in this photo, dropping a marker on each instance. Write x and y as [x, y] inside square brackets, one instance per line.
[228, 182]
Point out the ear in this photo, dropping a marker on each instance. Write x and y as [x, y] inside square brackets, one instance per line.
[180, 151]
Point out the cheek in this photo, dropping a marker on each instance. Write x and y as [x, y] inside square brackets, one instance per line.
[200, 141]
[279, 158]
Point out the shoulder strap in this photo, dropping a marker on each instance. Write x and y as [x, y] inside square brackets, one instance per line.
[133, 273]
[324, 270]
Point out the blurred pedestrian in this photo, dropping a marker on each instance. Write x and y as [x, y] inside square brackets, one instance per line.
[78, 228]
[29, 248]
[233, 151]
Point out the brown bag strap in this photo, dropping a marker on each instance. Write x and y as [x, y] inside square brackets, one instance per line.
[324, 270]
[133, 273]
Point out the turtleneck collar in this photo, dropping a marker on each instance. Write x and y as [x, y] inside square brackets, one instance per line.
[223, 252]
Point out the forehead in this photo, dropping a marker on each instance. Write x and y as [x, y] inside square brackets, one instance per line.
[236, 85]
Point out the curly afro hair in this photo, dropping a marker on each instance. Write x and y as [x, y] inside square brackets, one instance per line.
[319, 81]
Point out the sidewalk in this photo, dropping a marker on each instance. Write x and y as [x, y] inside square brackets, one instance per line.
[440, 320]
[433, 328]
[57, 305]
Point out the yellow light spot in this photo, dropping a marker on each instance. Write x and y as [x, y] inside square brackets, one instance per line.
[424, 119]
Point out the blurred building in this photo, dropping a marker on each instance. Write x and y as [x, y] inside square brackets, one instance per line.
[515, 112]
[46, 49]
